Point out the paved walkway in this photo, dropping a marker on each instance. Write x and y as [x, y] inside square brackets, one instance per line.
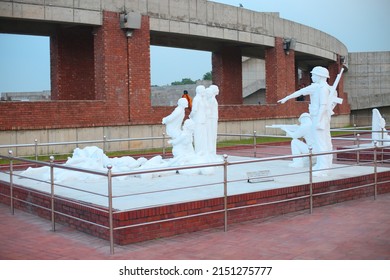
[358, 229]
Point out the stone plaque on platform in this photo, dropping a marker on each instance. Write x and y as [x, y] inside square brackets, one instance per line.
[259, 176]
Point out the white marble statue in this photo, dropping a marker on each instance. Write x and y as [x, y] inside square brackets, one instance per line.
[182, 146]
[198, 115]
[322, 101]
[298, 132]
[298, 146]
[195, 141]
[174, 121]
[204, 118]
[212, 119]
[379, 131]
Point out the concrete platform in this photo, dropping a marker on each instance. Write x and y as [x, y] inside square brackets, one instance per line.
[170, 188]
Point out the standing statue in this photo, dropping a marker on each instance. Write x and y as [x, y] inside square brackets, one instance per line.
[323, 98]
[174, 121]
[378, 128]
[195, 141]
[198, 115]
[182, 146]
[212, 119]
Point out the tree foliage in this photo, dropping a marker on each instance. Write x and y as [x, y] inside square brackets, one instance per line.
[208, 76]
[185, 81]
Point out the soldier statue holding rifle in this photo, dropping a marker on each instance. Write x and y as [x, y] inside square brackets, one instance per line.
[323, 99]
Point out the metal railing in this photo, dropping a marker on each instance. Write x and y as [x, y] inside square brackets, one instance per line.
[35, 145]
[103, 142]
[111, 198]
[357, 133]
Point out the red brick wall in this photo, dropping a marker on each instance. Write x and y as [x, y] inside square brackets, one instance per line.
[111, 63]
[279, 72]
[139, 69]
[227, 75]
[58, 114]
[102, 78]
[251, 112]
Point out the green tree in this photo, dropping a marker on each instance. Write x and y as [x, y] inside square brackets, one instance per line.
[185, 81]
[208, 76]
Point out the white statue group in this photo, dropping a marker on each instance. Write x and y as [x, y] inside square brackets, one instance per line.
[194, 141]
[315, 125]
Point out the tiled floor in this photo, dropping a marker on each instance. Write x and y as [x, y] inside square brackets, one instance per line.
[357, 229]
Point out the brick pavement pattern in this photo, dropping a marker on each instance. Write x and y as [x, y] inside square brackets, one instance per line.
[358, 229]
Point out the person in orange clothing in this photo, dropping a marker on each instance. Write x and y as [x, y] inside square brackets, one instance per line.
[189, 99]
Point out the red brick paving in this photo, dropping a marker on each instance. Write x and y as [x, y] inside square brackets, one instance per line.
[358, 229]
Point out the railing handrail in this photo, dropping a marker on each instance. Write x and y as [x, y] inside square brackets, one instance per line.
[183, 167]
[107, 140]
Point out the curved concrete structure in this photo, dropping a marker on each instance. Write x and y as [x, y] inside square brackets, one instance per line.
[192, 24]
[100, 63]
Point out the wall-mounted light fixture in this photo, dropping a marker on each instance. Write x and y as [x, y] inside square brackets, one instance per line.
[288, 44]
[344, 62]
[129, 22]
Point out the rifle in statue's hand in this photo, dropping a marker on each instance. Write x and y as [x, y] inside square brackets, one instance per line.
[333, 99]
[285, 127]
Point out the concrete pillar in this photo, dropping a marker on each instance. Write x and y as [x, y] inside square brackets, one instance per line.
[227, 75]
[280, 72]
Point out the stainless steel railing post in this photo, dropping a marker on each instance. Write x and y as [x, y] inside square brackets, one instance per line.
[11, 184]
[110, 219]
[53, 222]
[311, 178]
[358, 152]
[104, 143]
[375, 170]
[225, 164]
[163, 152]
[382, 143]
[36, 149]
[254, 143]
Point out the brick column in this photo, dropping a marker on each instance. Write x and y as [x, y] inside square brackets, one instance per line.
[227, 75]
[72, 64]
[111, 67]
[280, 72]
[139, 73]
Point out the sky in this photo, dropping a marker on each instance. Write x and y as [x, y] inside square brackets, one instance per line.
[362, 25]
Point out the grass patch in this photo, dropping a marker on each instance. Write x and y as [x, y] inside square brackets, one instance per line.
[249, 141]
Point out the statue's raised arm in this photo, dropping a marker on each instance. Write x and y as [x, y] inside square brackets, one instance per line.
[303, 91]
